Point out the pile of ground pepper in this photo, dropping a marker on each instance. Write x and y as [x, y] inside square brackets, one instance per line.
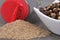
[20, 30]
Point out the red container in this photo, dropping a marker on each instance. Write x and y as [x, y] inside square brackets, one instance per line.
[14, 9]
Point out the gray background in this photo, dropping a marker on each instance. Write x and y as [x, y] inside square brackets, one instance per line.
[33, 18]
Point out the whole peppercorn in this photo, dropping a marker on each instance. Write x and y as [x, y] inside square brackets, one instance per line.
[54, 5]
[48, 7]
[59, 13]
[58, 5]
[46, 12]
[58, 17]
[58, 9]
[55, 10]
[53, 15]
[45, 9]
[50, 11]
[42, 9]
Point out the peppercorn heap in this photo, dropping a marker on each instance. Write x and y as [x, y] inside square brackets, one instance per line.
[52, 10]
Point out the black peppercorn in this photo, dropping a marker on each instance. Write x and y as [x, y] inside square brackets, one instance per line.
[58, 9]
[58, 5]
[59, 13]
[58, 17]
[48, 7]
[45, 9]
[54, 5]
[53, 15]
[42, 9]
[46, 12]
[50, 11]
[55, 10]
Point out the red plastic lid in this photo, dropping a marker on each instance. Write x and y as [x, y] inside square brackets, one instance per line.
[13, 9]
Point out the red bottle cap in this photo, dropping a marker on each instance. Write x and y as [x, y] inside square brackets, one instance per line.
[14, 9]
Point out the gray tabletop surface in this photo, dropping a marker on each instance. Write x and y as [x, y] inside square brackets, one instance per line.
[33, 18]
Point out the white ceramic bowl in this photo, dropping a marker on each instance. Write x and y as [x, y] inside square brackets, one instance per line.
[52, 24]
